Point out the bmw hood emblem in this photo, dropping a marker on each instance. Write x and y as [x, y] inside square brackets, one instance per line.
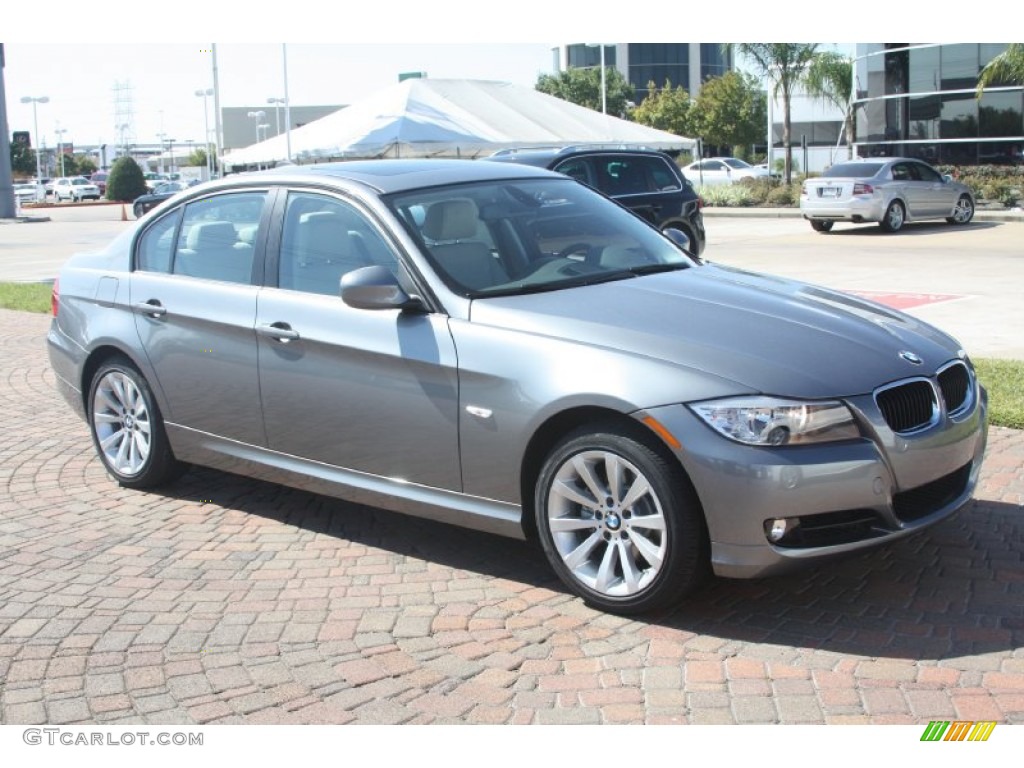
[910, 357]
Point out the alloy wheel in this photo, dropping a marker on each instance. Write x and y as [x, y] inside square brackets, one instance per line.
[122, 423]
[606, 523]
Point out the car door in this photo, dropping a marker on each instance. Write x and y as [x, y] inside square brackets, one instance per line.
[194, 300]
[639, 183]
[906, 185]
[712, 173]
[939, 196]
[368, 390]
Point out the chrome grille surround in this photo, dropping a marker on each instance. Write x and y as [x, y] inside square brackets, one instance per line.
[915, 404]
[909, 405]
[956, 383]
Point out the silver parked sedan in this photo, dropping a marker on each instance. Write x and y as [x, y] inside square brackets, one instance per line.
[890, 191]
[498, 346]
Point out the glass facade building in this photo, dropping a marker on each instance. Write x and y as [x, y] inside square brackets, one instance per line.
[919, 100]
[685, 64]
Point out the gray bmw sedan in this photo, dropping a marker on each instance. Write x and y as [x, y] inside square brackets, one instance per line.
[501, 347]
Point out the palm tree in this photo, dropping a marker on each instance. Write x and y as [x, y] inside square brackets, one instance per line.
[785, 66]
[829, 78]
[1006, 68]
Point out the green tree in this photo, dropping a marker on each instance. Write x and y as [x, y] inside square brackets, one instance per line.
[667, 109]
[784, 65]
[583, 86]
[829, 79]
[23, 160]
[126, 181]
[85, 164]
[76, 165]
[1005, 69]
[730, 110]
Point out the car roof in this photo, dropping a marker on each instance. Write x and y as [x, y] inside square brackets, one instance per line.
[390, 176]
[546, 156]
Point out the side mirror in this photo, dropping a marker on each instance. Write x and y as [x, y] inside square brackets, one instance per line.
[947, 178]
[376, 288]
[681, 241]
[678, 237]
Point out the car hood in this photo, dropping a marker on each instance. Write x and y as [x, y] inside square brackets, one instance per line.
[767, 334]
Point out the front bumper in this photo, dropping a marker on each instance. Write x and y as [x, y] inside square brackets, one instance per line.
[847, 496]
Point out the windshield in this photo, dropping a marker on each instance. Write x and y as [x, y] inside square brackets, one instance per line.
[509, 237]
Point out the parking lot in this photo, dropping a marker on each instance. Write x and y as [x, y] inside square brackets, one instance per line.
[223, 600]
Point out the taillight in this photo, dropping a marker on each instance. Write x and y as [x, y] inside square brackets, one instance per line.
[55, 297]
[700, 203]
[863, 189]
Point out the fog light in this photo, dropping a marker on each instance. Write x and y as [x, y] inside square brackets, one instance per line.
[779, 527]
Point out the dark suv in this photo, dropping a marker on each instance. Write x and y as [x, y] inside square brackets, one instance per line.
[647, 182]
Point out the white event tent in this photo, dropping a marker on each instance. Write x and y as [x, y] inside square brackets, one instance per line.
[450, 118]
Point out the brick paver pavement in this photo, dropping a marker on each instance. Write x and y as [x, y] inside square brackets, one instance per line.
[223, 600]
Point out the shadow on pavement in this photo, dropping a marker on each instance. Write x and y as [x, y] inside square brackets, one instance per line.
[912, 230]
[956, 589]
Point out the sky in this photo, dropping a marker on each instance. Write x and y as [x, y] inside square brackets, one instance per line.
[333, 56]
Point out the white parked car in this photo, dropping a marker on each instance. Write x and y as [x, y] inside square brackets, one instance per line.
[715, 171]
[75, 189]
[25, 193]
[889, 191]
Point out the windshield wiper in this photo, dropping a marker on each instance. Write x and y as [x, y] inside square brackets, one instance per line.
[651, 269]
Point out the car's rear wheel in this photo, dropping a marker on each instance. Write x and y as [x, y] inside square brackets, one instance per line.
[619, 521]
[894, 217]
[964, 211]
[127, 428]
[821, 226]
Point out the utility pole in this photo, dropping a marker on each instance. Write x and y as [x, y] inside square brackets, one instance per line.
[8, 210]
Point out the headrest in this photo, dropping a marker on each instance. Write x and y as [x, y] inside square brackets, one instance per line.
[211, 234]
[451, 220]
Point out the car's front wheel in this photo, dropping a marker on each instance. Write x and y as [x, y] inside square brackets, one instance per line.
[821, 226]
[619, 521]
[127, 428]
[894, 217]
[964, 211]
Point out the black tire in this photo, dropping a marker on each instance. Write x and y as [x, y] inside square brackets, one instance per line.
[139, 210]
[638, 553]
[894, 218]
[127, 428]
[821, 226]
[964, 211]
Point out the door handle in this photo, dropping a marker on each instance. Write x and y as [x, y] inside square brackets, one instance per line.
[281, 332]
[153, 308]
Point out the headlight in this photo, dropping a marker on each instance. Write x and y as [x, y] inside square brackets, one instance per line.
[773, 421]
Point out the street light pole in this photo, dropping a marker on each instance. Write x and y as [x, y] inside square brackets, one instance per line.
[60, 147]
[604, 87]
[206, 135]
[33, 100]
[258, 115]
[277, 113]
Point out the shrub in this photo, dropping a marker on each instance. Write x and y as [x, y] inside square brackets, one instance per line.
[728, 196]
[784, 195]
[125, 182]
